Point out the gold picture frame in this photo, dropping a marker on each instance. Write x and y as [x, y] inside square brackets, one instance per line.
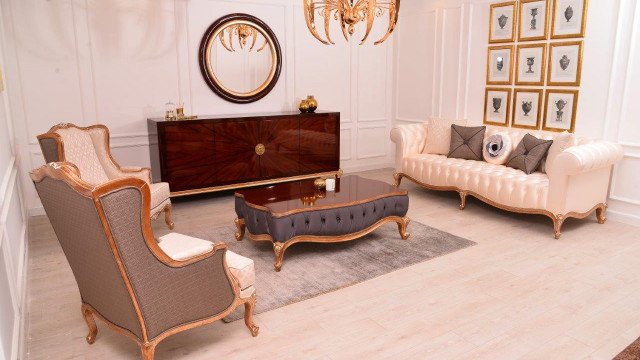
[543, 65]
[508, 105]
[511, 49]
[521, 23]
[539, 108]
[546, 125]
[583, 25]
[513, 22]
[552, 63]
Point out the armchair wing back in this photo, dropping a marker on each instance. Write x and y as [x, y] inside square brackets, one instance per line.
[88, 149]
[124, 276]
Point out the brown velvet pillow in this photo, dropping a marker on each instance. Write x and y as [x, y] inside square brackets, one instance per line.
[466, 142]
[529, 153]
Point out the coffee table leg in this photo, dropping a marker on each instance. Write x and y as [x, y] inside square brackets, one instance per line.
[402, 227]
[240, 225]
[278, 249]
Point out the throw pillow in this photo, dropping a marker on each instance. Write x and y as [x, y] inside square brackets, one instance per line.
[560, 144]
[497, 148]
[466, 142]
[529, 153]
[439, 135]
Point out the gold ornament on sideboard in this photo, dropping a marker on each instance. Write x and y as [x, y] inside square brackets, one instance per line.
[308, 105]
[320, 183]
[349, 13]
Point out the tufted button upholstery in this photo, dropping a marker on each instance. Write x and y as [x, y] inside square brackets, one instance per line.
[327, 222]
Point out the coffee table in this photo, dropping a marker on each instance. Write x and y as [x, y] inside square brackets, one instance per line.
[289, 213]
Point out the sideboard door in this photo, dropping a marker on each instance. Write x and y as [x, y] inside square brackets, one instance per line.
[236, 157]
[281, 138]
[189, 156]
[319, 144]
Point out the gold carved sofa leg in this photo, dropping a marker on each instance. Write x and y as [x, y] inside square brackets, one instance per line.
[91, 323]
[249, 307]
[463, 199]
[558, 220]
[167, 217]
[601, 213]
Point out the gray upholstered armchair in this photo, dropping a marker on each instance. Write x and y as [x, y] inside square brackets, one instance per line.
[141, 288]
[88, 149]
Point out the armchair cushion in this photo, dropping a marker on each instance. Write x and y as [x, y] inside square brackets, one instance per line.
[243, 270]
[159, 196]
[79, 150]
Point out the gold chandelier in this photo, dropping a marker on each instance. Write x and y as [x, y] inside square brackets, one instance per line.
[350, 13]
[244, 32]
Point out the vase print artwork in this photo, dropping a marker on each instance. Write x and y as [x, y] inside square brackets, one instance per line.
[500, 63]
[530, 63]
[564, 62]
[502, 21]
[568, 13]
[534, 22]
[497, 103]
[526, 107]
[560, 104]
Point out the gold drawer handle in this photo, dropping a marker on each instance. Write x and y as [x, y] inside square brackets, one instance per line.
[260, 149]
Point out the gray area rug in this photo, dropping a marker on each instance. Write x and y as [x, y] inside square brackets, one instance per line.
[310, 270]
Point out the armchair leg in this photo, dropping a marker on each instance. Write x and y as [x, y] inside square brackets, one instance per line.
[167, 217]
[240, 226]
[91, 323]
[249, 306]
[148, 351]
[600, 213]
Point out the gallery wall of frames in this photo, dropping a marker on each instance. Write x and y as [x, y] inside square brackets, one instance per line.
[534, 63]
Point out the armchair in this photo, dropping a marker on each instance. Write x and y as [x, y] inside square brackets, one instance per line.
[141, 289]
[88, 149]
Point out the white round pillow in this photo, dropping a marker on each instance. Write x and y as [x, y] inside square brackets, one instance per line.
[497, 148]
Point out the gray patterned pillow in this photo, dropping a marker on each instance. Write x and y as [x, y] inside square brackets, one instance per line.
[529, 153]
[466, 142]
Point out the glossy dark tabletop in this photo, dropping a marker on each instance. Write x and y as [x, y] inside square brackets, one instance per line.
[297, 196]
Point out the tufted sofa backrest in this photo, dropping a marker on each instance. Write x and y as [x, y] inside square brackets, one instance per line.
[516, 135]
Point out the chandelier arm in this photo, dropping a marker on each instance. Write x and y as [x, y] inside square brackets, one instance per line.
[254, 35]
[263, 45]
[394, 10]
[327, 22]
[343, 21]
[370, 15]
[224, 43]
[231, 38]
[309, 9]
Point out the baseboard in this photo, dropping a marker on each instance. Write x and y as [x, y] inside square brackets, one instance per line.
[24, 311]
[623, 217]
[368, 167]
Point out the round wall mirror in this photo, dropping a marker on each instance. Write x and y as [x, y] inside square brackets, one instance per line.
[240, 58]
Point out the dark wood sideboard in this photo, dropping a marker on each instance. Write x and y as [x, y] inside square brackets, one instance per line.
[224, 152]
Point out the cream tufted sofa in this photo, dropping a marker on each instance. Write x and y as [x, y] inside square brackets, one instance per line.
[575, 185]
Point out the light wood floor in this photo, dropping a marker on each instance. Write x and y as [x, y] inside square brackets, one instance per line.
[517, 294]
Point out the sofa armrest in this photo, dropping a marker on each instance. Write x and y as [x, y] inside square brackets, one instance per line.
[588, 157]
[409, 139]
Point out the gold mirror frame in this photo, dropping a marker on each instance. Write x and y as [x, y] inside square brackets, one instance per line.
[206, 68]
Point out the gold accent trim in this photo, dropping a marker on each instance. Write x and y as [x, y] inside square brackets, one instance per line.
[573, 115]
[578, 69]
[325, 207]
[583, 26]
[279, 248]
[260, 149]
[558, 219]
[251, 184]
[540, 93]
[546, 21]
[543, 66]
[486, 106]
[511, 49]
[513, 20]
[274, 57]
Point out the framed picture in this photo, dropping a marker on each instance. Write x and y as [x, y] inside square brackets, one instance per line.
[496, 106]
[531, 64]
[503, 22]
[527, 108]
[500, 65]
[565, 64]
[560, 111]
[534, 20]
[569, 19]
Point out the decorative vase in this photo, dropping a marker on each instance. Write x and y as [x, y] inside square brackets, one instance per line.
[304, 106]
[564, 62]
[320, 183]
[500, 64]
[534, 22]
[313, 104]
[497, 103]
[530, 62]
[568, 13]
[502, 21]
[560, 104]
[526, 107]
